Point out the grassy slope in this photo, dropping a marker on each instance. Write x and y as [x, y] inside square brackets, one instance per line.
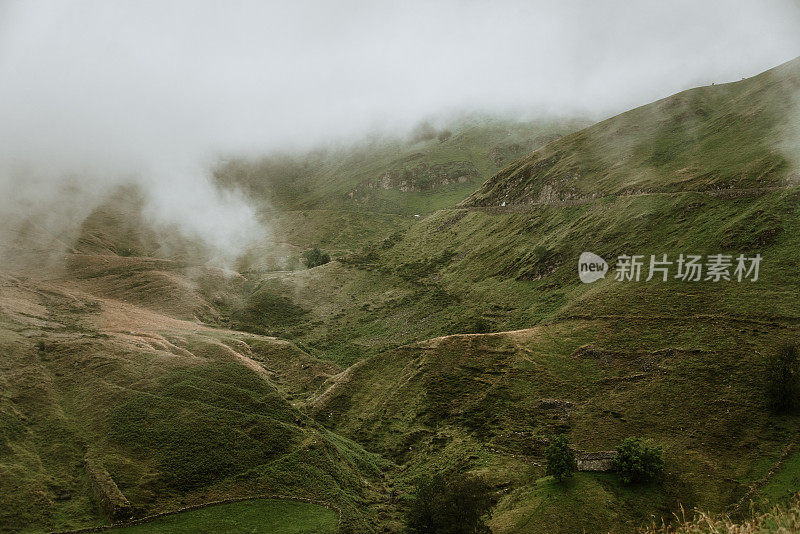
[176, 412]
[338, 178]
[705, 139]
[699, 172]
[336, 198]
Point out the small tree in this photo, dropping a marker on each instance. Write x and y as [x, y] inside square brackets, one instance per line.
[452, 504]
[424, 131]
[444, 135]
[783, 375]
[478, 325]
[315, 257]
[560, 458]
[637, 461]
[540, 253]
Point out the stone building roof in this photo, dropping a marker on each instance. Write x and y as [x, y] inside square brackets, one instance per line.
[596, 455]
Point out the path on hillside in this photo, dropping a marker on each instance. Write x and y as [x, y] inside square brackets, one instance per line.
[582, 200]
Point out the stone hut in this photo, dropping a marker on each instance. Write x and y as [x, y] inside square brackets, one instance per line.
[595, 461]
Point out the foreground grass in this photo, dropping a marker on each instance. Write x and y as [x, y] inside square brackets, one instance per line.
[607, 505]
[261, 515]
[780, 520]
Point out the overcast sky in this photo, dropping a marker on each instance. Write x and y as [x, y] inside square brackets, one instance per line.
[239, 74]
[158, 88]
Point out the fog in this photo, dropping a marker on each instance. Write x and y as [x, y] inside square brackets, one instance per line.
[110, 92]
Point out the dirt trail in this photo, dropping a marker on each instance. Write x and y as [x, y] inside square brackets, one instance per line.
[716, 193]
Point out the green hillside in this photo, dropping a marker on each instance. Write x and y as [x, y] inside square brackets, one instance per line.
[256, 516]
[703, 172]
[462, 339]
[345, 197]
[172, 412]
[734, 136]
[428, 170]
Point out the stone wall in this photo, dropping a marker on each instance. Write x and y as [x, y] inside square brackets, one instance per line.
[107, 495]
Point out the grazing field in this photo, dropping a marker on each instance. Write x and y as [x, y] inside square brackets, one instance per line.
[267, 516]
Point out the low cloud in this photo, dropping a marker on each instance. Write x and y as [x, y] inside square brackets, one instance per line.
[98, 94]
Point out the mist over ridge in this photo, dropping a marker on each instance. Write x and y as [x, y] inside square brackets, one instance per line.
[95, 95]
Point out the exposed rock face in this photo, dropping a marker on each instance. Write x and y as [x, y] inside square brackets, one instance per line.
[106, 494]
[421, 177]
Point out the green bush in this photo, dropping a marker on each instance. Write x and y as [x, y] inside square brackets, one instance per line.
[423, 131]
[560, 458]
[637, 461]
[540, 253]
[480, 326]
[315, 257]
[264, 308]
[454, 504]
[783, 375]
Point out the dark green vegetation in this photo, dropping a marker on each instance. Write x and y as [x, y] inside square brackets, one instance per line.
[386, 374]
[561, 461]
[638, 461]
[450, 504]
[315, 257]
[783, 375]
[261, 516]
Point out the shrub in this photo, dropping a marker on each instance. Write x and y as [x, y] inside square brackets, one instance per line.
[560, 458]
[423, 131]
[540, 253]
[540, 258]
[315, 257]
[636, 461]
[453, 504]
[480, 326]
[444, 135]
[265, 308]
[783, 375]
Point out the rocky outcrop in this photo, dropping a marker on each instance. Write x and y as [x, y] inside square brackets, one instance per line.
[420, 177]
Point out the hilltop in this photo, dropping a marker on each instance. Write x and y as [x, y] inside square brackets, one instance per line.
[345, 197]
[734, 136]
[431, 168]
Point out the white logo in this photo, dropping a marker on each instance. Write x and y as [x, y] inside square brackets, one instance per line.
[591, 267]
